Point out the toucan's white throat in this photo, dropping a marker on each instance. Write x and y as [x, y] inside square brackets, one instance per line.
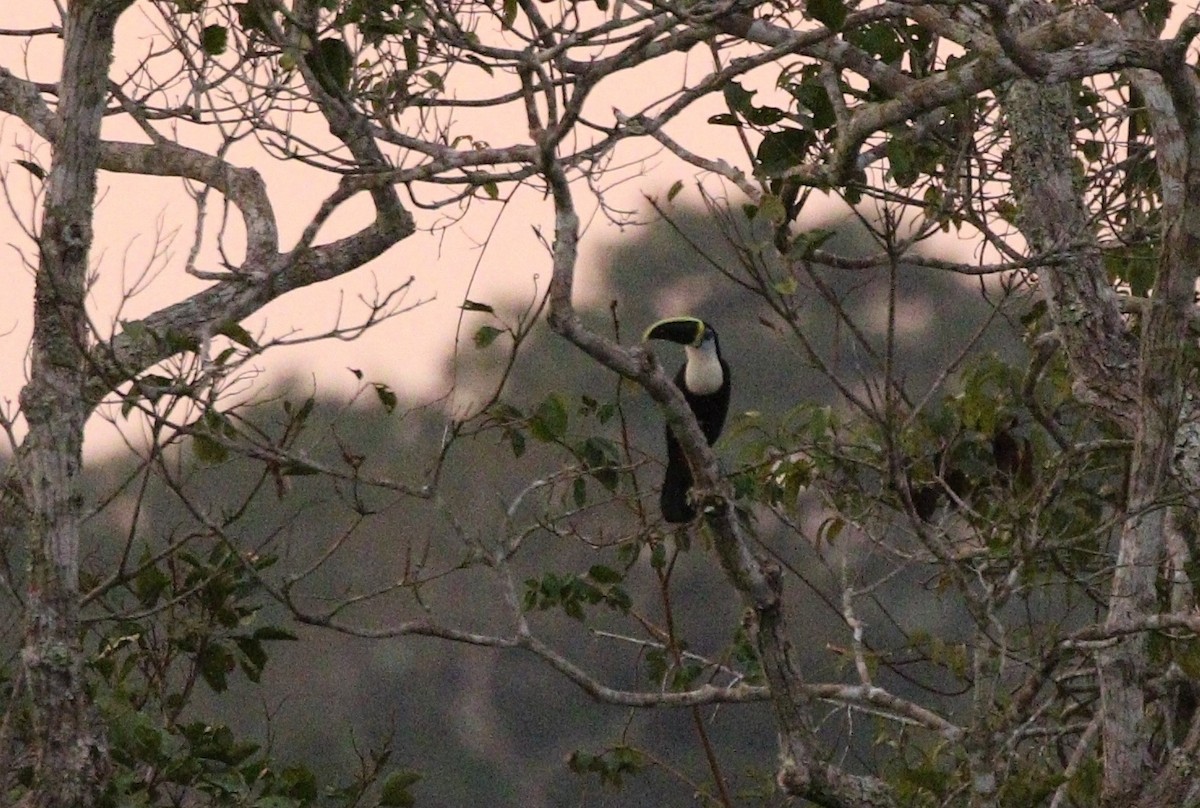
[703, 374]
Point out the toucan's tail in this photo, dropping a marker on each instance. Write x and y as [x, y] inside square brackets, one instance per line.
[677, 483]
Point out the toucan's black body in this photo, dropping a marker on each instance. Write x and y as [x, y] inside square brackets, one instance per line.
[704, 382]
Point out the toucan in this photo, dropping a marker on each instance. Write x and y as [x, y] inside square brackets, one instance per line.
[704, 382]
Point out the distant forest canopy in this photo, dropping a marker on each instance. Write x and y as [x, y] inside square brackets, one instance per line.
[494, 726]
[907, 530]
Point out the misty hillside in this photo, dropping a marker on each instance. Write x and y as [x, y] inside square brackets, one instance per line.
[495, 727]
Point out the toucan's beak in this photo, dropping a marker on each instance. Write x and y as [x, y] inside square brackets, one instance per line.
[683, 330]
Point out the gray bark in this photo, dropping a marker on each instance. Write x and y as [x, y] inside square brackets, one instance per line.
[1138, 384]
[66, 745]
[64, 742]
[803, 771]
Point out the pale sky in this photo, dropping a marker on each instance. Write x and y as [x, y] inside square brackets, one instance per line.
[145, 230]
[145, 227]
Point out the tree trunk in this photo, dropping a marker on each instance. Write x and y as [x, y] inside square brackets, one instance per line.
[1143, 393]
[65, 746]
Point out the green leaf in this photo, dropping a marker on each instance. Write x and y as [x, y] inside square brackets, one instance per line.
[215, 663]
[829, 530]
[596, 452]
[738, 98]
[745, 654]
[675, 189]
[611, 766]
[486, 335]
[297, 468]
[301, 783]
[1035, 313]
[879, 39]
[811, 94]
[1142, 275]
[254, 16]
[782, 150]
[386, 396]
[658, 555]
[33, 168]
[902, 161]
[150, 584]
[506, 413]
[475, 60]
[786, 286]
[805, 243]
[549, 422]
[471, 305]
[152, 386]
[207, 450]
[299, 415]
[214, 39]
[831, 13]
[253, 659]
[600, 457]
[1136, 264]
[134, 330]
[604, 575]
[395, 789]
[764, 116]
[740, 101]
[1157, 12]
[516, 440]
[724, 119]
[411, 52]
[1006, 210]
[331, 63]
[509, 13]
[771, 209]
[179, 342]
[434, 80]
[236, 333]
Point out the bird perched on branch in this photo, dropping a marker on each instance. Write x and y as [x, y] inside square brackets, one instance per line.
[704, 382]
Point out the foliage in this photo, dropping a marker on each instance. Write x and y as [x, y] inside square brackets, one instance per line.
[953, 567]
